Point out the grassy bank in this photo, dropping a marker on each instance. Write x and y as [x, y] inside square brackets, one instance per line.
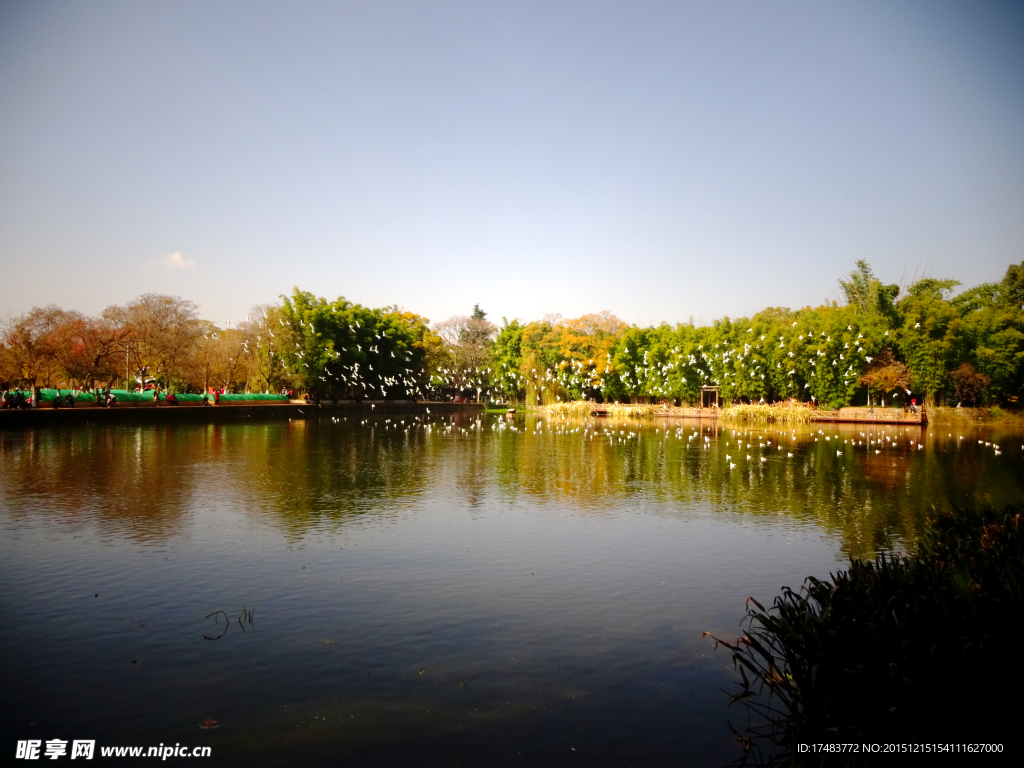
[994, 416]
[913, 649]
[780, 413]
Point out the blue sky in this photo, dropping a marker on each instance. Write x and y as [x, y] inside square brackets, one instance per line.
[659, 160]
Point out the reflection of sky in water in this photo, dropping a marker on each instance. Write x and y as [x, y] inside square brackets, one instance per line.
[552, 587]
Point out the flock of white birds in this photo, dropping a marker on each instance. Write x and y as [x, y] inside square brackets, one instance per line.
[736, 445]
[725, 362]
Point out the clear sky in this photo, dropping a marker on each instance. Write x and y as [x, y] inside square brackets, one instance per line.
[661, 160]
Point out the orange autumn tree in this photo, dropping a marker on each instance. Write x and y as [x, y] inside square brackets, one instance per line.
[568, 357]
[885, 374]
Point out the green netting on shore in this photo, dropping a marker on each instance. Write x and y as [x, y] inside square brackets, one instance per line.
[183, 398]
[47, 395]
[124, 396]
[259, 398]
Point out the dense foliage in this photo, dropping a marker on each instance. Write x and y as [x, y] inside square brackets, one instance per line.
[883, 345]
[339, 349]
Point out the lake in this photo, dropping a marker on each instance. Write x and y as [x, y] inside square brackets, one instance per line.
[433, 590]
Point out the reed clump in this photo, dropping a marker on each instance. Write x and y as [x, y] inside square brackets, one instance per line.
[583, 409]
[631, 410]
[918, 648]
[787, 412]
[570, 409]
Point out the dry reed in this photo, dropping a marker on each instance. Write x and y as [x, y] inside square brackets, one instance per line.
[583, 409]
[790, 413]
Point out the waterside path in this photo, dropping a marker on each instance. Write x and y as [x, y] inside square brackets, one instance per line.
[166, 414]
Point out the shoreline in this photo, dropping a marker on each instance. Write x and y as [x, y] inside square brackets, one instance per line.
[191, 414]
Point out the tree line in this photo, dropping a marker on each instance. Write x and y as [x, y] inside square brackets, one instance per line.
[882, 341]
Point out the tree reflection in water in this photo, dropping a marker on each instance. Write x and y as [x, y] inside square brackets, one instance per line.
[327, 473]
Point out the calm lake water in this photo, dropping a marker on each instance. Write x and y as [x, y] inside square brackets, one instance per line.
[459, 591]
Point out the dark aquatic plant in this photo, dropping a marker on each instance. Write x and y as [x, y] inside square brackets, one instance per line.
[245, 616]
[901, 649]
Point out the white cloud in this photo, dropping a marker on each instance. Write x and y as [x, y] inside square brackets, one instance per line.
[175, 261]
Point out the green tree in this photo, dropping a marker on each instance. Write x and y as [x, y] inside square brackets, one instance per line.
[978, 297]
[867, 293]
[929, 336]
[993, 341]
[505, 361]
[1012, 287]
[347, 350]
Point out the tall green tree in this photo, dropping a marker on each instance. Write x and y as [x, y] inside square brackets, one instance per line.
[343, 349]
[867, 293]
[929, 335]
[1013, 285]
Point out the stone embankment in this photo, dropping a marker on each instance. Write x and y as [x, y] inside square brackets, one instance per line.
[169, 414]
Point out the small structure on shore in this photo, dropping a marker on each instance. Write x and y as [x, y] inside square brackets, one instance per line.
[710, 396]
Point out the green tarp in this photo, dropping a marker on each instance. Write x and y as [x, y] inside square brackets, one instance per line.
[123, 396]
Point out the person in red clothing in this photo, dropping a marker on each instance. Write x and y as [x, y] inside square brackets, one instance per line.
[216, 397]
